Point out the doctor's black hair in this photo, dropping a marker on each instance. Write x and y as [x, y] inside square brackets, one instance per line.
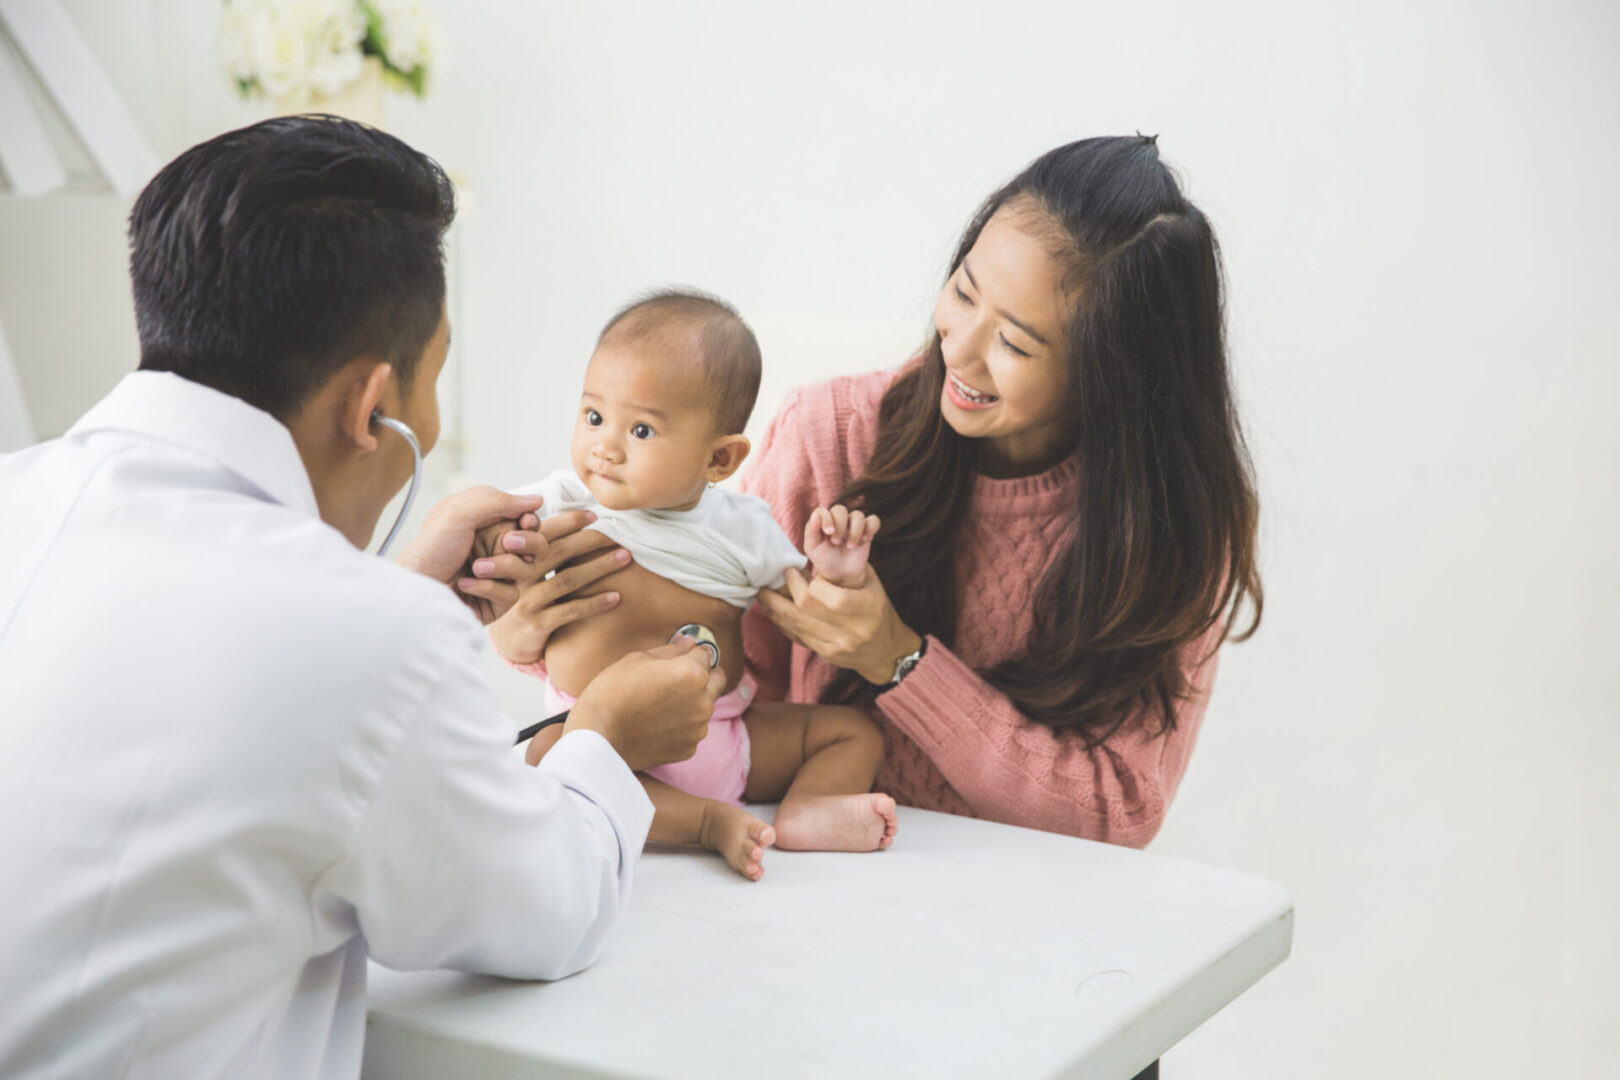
[267, 258]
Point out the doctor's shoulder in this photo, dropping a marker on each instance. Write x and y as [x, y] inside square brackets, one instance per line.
[310, 593]
[400, 609]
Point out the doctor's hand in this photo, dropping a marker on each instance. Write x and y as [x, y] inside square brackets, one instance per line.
[653, 707]
[442, 549]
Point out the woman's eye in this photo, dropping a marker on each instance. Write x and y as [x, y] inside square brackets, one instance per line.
[1013, 348]
[960, 295]
[593, 418]
[642, 431]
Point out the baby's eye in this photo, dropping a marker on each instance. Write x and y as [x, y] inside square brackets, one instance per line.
[642, 431]
[593, 418]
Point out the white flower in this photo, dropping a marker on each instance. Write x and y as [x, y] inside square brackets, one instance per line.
[332, 71]
[410, 33]
[338, 61]
[292, 49]
[281, 59]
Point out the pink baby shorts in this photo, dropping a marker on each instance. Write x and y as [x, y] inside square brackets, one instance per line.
[719, 769]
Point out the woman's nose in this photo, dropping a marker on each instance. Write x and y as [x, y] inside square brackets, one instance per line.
[963, 342]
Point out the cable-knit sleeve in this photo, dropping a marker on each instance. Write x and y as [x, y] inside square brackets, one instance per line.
[1012, 770]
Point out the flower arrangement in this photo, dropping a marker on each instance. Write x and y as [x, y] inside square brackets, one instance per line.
[294, 50]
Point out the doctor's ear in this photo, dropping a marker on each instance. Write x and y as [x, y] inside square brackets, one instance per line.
[366, 382]
[726, 457]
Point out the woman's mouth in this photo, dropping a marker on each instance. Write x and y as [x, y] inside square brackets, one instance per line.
[964, 396]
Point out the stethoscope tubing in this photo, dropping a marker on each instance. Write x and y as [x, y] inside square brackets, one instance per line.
[416, 474]
[534, 729]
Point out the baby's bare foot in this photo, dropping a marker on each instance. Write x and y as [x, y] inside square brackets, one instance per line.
[836, 823]
[739, 836]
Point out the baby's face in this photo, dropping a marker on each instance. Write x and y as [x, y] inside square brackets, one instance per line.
[644, 433]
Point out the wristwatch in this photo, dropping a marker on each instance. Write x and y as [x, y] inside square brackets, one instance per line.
[903, 666]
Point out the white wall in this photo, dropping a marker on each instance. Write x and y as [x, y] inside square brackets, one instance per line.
[1416, 206]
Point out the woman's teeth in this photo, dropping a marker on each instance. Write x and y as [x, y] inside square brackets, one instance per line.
[971, 394]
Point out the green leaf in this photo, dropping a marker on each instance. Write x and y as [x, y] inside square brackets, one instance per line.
[373, 45]
[413, 81]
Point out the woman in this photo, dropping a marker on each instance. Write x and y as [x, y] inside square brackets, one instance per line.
[1068, 513]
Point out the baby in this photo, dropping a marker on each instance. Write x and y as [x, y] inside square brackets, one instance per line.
[667, 392]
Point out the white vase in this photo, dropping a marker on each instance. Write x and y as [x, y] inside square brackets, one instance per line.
[361, 100]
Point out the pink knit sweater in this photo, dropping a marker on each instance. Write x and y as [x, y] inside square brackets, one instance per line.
[952, 742]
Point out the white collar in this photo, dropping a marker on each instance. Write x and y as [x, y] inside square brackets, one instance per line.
[706, 505]
[244, 439]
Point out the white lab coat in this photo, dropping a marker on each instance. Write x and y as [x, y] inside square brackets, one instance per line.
[236, 755]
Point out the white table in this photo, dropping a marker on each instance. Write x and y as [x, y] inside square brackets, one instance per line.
[966, 950]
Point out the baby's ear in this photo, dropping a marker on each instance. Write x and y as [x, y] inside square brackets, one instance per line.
[726, 457]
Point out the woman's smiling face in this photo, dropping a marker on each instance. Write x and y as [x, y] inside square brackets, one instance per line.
[1000, 319]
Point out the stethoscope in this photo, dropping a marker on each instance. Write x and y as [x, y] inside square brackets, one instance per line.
[416, 472]
[696, 631]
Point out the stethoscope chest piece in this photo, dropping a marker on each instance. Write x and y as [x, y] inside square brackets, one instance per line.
[705, 639]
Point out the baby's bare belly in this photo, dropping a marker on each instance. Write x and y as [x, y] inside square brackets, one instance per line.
[651, 609]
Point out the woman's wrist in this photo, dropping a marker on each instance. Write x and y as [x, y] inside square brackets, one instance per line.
[906, 642]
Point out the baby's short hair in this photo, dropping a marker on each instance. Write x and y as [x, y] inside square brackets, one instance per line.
[722, 345]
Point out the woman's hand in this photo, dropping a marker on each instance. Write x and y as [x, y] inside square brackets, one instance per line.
[854, 628]
[539, 605]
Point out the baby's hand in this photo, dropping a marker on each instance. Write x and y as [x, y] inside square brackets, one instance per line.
[837, 541]
[487, 541]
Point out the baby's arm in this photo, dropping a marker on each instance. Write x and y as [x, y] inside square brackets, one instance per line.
[838, 541]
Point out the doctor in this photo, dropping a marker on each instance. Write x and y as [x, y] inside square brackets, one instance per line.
[238, 754]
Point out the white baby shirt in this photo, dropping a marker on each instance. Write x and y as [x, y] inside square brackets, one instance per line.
[727, 546]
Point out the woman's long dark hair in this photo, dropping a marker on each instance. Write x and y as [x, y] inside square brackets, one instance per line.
[1164, 525]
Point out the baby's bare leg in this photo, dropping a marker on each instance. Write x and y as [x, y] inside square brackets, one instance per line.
[820, 760]
[683, 818]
